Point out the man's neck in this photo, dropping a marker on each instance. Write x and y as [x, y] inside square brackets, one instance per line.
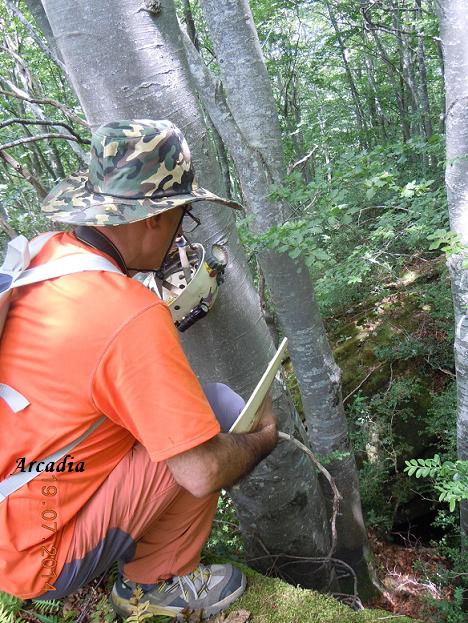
[98, 240]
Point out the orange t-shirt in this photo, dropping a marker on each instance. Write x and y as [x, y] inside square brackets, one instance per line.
[77, 347]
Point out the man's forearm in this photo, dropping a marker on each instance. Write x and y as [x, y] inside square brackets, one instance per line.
[223, 460]
[239, 453]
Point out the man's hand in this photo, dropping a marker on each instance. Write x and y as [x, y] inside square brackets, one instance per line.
[223, 460]
[265, 416]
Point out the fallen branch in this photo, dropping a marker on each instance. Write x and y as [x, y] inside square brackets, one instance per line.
[362, 382]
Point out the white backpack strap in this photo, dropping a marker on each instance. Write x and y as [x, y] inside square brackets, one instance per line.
[20, 252]
[14, 274]
[14, 482]
[65, 266]
[16, 401]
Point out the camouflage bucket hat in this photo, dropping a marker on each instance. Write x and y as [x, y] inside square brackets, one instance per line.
[137, 169]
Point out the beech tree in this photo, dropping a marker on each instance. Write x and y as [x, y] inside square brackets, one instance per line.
[248, 123]
[126, 60]
[454, 26]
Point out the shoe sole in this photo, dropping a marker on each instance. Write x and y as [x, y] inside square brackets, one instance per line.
[123, 609]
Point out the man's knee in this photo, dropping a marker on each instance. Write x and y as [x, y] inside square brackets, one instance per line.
[224, 401]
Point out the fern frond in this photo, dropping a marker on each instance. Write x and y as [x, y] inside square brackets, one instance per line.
[49, 606]
[6, 616]
[10, 603]
[140, 613]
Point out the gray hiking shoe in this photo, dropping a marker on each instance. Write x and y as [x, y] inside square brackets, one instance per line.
[209, 588]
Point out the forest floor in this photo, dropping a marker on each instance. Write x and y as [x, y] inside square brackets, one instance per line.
[270, 600]
[267, 600]
[402, 570]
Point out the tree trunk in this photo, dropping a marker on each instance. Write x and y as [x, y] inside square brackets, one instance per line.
[375, 103]
[454, 26]
[360, 117]
[127, 61]
[428, 130]
[190, 24]
[396, 78]
[250, 128]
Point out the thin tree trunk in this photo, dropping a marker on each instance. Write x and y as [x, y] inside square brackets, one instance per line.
[454, 27]
[374, 94]
[395, 77]
[435, 8]
[189, 21]
[360, 117]
[428, 130]
[136, 68]
[254, 141]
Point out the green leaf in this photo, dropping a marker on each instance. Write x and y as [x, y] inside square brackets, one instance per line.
[295, 253]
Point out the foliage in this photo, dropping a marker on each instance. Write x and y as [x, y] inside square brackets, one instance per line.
[449, 575]
[139, 610]
[9, 609]
[441, 421]
[225, 538]
[451, 478]
[103, 612]
[378, 434]
[27, 71]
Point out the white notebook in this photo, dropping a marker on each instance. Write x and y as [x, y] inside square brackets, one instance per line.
[248, 416]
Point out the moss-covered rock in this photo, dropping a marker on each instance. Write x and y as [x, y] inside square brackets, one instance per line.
[270, 600]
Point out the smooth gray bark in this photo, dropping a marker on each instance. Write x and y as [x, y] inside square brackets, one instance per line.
[250, 128]
[125, 61]
[454, 29]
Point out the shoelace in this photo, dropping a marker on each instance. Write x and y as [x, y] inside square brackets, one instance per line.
[186, 583]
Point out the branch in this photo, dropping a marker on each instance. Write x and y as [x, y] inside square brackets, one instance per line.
[47, 51]
[40, 137]
[66, 111]
[7, 228]
[362, 383]
[214, 101]
[24, 172]
[31, 122]
[336, 494]
[303, 160]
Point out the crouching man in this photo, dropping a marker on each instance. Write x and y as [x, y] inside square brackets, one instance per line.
[98, 358]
